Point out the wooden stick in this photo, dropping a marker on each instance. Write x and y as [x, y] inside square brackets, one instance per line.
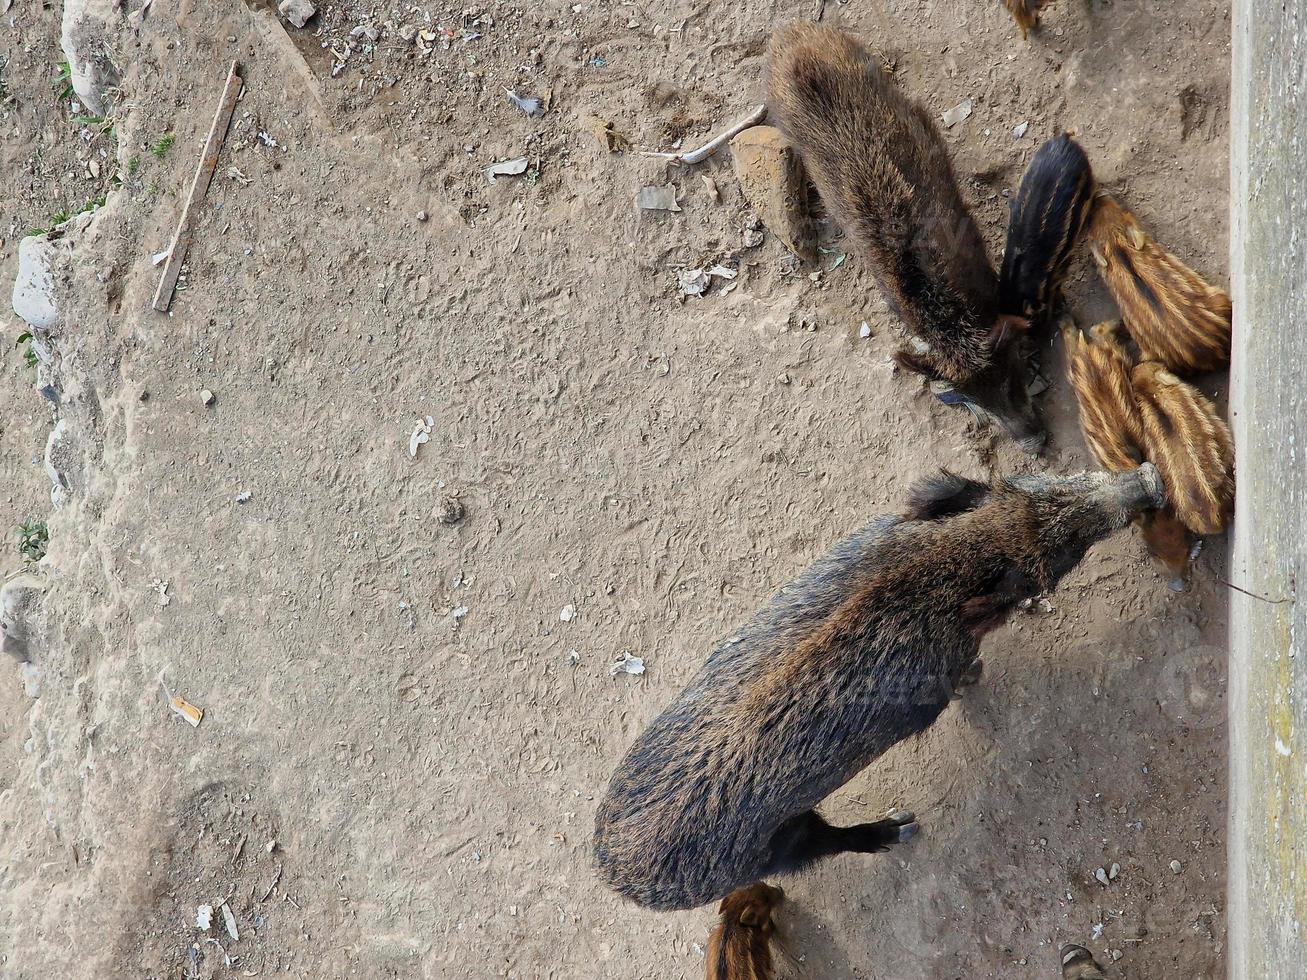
[199, 187]
[754, 117]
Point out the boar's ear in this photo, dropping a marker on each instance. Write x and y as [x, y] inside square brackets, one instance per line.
[1006, 328]
[751, 915]
[946, 493]
[917, 363]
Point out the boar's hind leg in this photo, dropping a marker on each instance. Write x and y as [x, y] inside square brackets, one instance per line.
[806, 838]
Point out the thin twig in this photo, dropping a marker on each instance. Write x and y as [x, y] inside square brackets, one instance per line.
[716, 143]
[1252, 595]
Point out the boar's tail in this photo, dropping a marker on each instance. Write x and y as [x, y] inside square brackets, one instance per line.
[740, 948]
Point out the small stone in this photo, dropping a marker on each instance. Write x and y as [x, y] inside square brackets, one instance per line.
[297, 12]
[753, 237]
[450, 511]
[1114, 871]
[774, 184]
[1101, 875]
[206, 396]
[783, 378]
[1176, 867]
[1019, 130]
[958, 113]
[422, 216]
[864, 331]
[1116, 954]
[568, 614]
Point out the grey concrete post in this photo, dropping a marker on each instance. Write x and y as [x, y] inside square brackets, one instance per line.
[1268, 405]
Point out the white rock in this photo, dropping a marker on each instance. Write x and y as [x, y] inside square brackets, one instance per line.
[568, 614]
[34, 285]
[1176, 867]
[85, 36]
[297, 12]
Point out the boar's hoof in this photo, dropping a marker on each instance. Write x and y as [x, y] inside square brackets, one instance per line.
[906, 821]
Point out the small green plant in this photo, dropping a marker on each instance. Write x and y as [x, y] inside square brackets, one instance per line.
[133, 165]
[161, 148]
[532, 176]
[29, 355]
[33, 539]
[63, 85]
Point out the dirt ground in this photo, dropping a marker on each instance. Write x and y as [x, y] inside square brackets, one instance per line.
[404, 738]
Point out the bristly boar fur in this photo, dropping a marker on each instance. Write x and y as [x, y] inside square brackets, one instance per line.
[1175, 316]
[740, 947]
[1026, 13]
[884, 174]
[1191, 446]
[1099, 369]
[860, 652]
[1045, 221]
[1079, 964]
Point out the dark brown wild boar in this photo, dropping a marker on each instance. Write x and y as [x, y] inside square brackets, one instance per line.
[740, 947]
[1100, 372]
[884, 174]
[1045, 222]
[860, 652]
[1175, 315]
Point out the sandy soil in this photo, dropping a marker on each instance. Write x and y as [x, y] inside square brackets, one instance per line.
[403, 742]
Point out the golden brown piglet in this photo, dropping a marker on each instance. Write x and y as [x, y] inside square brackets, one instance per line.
[1025, 13]
[1099, 369]
[1190, 445]
[1175, 316]
[740, 946]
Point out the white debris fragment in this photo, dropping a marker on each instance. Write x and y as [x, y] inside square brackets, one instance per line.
[229, 921]
[158, 257]
[864, 331]
[506, 168]
[722, 272]
[958, 113]
[297, 12]
[568, 614]
[692, 282]
[1098, 931]
[204, 917]
[1176, 867]
[529, 104]
[458, 613]
[628, 664]
[243, 497]
[1281, 748]
[267, 139]
[421, 433]
[574, 656]
[1019, 130]
[161, 587]
[657, 198]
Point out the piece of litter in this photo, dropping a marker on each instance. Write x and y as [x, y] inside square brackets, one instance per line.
[864, 331]
[692, 282]
[722, 272]
[628, 664]
[267, 139]
[958, 113]
[459, 612]
[568, 614]
[657, 198]
[609, 138]
[529, 104]
[243, 497]
[421, 433]
[1098, 931]
[574, 656]
[190, 712]
[161, 587]
[506, 168]
[1019, 130]
[204, 917]
[229, 921]
[158, 257]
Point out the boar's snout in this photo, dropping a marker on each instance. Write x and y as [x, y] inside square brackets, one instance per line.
[1141, 489]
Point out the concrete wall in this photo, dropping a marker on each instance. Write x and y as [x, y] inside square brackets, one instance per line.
[1268, 405]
